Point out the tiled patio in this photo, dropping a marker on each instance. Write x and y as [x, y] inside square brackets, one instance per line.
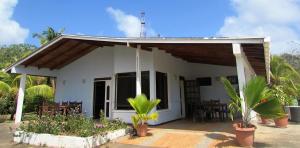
[187, 134]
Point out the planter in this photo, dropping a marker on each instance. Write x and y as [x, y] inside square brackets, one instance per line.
[264, 120]
[142, 130]
[287, 110]
[244, 136]
[295, 113]
[67, 141]
[281, 122]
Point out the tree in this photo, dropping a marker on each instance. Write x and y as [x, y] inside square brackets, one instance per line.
[48, 35]
[12, 53]
[292, 59]
[284, 80]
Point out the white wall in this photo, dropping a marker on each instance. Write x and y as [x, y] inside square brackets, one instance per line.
[175, 67]
[216, 91]
[76, 80]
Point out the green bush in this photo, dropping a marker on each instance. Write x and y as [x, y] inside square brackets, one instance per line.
[75, 125]
[5, 105]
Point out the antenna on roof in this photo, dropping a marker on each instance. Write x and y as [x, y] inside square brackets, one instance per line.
[143, 30]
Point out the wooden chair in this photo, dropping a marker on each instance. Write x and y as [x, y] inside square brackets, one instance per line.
[65, 103]
[216, 108]
[75, 107]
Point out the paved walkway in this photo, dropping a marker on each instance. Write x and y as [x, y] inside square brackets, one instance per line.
[6, 140]
[187, 134]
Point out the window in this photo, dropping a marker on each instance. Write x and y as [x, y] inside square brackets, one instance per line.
[162, 90]
[126, 88]
[206, 81]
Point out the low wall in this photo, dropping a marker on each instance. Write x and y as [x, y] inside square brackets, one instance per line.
[67, 141]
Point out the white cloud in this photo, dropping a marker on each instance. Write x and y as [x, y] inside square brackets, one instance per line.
[130, 25]
[278, 19]
[10, 30]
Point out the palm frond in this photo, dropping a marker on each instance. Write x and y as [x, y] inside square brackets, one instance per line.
[43, 91]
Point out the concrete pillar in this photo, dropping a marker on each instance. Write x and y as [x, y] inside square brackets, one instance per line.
[237, 51]
[138, 71]
[21, 94]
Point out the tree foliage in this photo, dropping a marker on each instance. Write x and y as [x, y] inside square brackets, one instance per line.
[142, 107]
[12, 53]
[48, 35]
[284, 81]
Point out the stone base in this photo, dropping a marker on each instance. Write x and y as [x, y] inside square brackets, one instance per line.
[67, 141]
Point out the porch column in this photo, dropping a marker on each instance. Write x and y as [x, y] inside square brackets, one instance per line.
[138, 71]
[237, 51]
[20, 99]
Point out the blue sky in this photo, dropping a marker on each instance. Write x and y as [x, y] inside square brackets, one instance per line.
[169, 18]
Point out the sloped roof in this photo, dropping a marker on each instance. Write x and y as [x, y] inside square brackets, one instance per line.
[68, 48]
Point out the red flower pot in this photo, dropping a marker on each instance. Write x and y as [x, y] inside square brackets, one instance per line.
[142, 130]
[244, 136]
[282, 122]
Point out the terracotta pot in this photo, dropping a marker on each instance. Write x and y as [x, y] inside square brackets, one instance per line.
[281, 122]
[264, 120]
[142, 130]
[244, 136]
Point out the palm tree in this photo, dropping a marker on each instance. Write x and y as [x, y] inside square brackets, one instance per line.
[285, 80]
[48, 35]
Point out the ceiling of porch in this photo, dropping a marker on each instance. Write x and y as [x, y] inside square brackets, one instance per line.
[67, 50]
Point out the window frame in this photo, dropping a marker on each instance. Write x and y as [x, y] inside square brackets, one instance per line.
[167, 91]
[147, 72]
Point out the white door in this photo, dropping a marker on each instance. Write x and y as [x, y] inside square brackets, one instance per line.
[107, 98]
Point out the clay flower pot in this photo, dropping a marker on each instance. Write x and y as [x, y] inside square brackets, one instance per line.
[264, 120]
[281, 122]
[244, 136]
[142, 130]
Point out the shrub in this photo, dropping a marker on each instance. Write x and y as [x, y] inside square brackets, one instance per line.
[75, 125]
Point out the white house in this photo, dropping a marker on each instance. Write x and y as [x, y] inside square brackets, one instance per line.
[103, 72]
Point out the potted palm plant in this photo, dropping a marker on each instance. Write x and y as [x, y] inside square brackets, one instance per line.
[142, 107]
[283, 87]
[257, 97]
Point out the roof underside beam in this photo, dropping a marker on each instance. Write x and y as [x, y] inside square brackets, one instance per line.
[65, 51]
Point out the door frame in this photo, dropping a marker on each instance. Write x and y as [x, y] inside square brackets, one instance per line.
[107, 96]
[182, 96]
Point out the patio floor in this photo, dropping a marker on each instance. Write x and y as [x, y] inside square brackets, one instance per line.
[183, 133]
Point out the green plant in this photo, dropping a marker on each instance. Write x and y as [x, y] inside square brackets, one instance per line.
[75, 125]
[285, 81]
[257, 97]
[143, 107]
[48, 35]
